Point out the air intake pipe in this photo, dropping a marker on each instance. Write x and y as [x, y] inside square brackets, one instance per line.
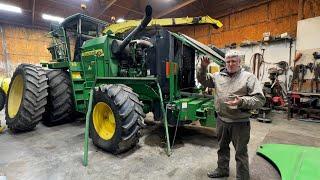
[118, 46]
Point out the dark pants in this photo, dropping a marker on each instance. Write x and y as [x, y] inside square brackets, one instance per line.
[239, 134]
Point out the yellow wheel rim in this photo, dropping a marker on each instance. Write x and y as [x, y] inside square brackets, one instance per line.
[104, 121]
[5, 84]
[15, 96]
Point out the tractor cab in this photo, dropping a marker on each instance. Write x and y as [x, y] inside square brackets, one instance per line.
[73, 32]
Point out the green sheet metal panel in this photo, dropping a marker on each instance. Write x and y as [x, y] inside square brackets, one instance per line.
[189, 107]
[93, 58]
[58, 65]
[78, 87]
[193, 106]
[293, 162]
[206, 114]
[75, 66]
[183, 105]
[96, 62]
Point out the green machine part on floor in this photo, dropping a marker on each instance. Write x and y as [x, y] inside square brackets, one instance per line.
[293, 162]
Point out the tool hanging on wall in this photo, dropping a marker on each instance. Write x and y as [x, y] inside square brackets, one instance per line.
[298, 75]
[295, 71]
[311, 67]
[297, 58]
[283, 65]
[315, 80]
[257, 61]
[316, 67]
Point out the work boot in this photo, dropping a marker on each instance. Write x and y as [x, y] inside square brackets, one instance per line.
[218, 173]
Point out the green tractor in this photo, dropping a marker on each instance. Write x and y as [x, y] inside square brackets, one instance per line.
[115, 79]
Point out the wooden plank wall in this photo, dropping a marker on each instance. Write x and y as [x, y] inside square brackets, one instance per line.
[23, 45]
[26, 45]
[275, 16]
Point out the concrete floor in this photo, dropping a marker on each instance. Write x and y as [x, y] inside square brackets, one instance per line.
[56, 152]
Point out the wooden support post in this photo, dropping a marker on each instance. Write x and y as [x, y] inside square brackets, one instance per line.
[33, 11]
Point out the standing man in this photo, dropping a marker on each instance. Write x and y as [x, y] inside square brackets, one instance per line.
[237, 92]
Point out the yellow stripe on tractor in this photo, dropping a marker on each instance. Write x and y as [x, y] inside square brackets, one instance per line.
[129, 24]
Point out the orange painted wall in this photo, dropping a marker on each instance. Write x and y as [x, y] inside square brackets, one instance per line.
[276, 17]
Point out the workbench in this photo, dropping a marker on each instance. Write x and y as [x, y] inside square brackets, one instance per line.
[296, 98]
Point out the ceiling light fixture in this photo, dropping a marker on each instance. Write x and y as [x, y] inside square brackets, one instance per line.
[120, 20]
[6, 7]
[52, 18]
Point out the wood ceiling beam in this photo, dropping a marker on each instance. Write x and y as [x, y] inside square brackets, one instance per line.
[175, 8]
[33, 10]
[132, 10]
[63, 3]
[203, 8]
[229, 11]
[106, 8]
[203, 11]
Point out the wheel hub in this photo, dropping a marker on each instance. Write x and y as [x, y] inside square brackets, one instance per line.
[15, 96]
[104, 120]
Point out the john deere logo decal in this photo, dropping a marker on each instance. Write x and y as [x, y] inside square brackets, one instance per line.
[97, 52]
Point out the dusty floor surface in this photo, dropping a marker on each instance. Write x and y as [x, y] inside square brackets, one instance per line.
[56, 152]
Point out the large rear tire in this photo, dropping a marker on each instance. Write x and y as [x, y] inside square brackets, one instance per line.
[27, 97]
[60, 98]
[116, 118]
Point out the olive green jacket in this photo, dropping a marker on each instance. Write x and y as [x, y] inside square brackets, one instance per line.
[243, 84]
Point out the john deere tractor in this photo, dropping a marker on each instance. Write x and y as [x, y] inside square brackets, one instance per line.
[127, 74]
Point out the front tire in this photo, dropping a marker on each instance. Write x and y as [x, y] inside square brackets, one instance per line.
[116, 118]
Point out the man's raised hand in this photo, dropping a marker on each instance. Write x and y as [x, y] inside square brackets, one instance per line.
[204, 61]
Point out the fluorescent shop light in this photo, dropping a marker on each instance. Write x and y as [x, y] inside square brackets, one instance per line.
[6, 7]
[52, 18]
